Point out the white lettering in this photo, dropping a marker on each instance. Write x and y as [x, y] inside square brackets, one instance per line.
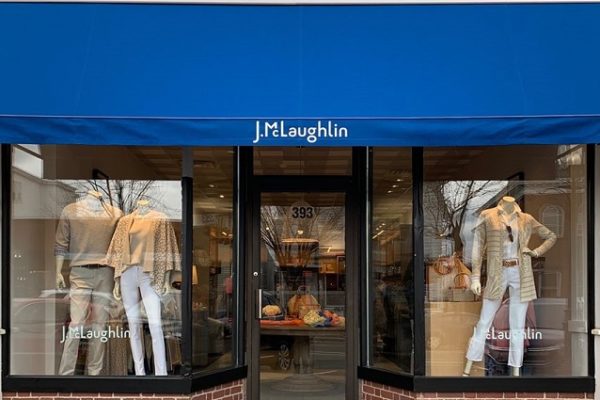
[311, 133]
[79, 332]
[528, 333]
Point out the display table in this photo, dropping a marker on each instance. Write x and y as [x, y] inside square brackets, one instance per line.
[303, 380]
[302, 337]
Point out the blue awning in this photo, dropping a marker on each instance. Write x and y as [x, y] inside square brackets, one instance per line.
[420, 75]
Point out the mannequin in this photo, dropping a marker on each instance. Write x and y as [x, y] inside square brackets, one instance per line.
[505, 231]
[143, 253]
[83, 235]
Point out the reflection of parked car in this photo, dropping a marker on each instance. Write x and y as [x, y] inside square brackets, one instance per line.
[545, 339]
[39, 324]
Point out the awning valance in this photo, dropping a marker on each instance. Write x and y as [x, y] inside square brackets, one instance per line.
[300, 132]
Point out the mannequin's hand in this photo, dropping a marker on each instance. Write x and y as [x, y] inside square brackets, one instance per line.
[166, 288]
[117, 290]
[60, 281]
[476, 288]
[529, 252]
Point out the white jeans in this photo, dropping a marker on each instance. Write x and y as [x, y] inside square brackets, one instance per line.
[133, 282]
[516, 320]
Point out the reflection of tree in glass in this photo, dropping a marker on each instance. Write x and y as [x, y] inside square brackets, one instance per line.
[123, 194]
[446, 204]
[295, 241]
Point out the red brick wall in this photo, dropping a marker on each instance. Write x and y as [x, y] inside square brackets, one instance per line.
[230, 391]
[376, 391]
[235, 390]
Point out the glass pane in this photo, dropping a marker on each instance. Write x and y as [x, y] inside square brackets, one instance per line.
[212, 273]
[303, 301]
[302, 160]
[505, 246]
[391, 260]
[95, 251]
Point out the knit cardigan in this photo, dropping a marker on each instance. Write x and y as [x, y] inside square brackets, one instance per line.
[161, 255]
[490, 232]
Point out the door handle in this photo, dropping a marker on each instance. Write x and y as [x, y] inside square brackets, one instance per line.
[259, 303]
[596, 331]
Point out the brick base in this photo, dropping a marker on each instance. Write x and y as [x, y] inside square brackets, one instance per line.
[376, 391]
[235, 390]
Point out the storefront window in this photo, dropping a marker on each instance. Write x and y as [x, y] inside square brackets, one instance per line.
[391, 259]
[95, 250]
[212, 271]
[506, 261]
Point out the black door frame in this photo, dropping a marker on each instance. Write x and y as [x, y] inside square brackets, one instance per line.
[354, 187]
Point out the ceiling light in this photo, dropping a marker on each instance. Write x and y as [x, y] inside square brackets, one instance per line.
[399, 180]
[221, 196]
[394, 186]
[390, 191]
[211, 185]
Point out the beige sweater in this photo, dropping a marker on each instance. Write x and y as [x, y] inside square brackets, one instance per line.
[490, 231]
[161, 252]
[83, 234]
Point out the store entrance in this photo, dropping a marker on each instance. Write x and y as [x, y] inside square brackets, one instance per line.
[302, 344]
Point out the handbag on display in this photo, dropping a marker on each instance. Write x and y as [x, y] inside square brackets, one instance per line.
[302, 302]
[449, 279]
[462, 279]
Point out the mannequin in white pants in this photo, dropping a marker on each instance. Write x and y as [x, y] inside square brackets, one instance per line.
[505, 231]
[135, 282]
[517, 315]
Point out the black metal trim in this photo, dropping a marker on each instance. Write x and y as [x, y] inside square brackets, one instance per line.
[204, 381]
[591, 250]
[504, 384]
[367, 282]
[86, 384]
[395, 379]
[187, 190]
[124, 384]
[251, 201]
[6, 182]
[477, 384]
[239, 219]
[356, 214]
[419, 331]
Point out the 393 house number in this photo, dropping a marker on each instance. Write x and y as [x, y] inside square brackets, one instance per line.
[303, 212]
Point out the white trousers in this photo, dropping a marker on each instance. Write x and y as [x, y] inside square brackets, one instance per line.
[516, 320]
[133, 283]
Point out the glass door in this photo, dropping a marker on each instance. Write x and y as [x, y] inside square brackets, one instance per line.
[300, 303]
